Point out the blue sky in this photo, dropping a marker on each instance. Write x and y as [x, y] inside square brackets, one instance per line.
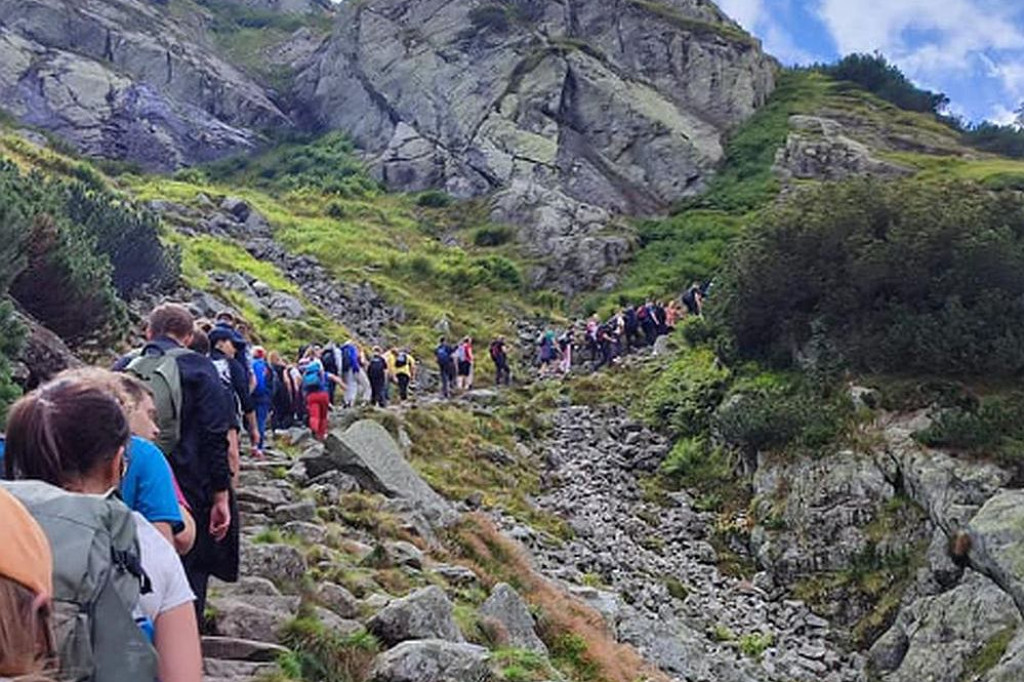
[972, 50]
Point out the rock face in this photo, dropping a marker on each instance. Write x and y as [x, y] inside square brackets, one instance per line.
[571, 112]
[125, 79]
[821, 149]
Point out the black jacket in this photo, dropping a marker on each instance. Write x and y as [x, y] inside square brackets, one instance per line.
[239, 382]
[200, 460]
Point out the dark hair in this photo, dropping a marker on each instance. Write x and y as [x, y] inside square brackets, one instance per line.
[62, 432]
[170, 319]
[200, 342]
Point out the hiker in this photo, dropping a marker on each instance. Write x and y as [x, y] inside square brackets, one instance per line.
[502, 372]
[377, 373]
[314, 386]
[631, 328]
[284, 390]
[26, 590]
[73, 435]
[194, 440]
[225, 346]
[671, 316]
[593, 324]
[350, 369]
[262, 394]
[330, 357]
[298, 398]
[464, 358]
[648, 322]
[227, 322]
[546, 352]
[148, 484]
[389, 357]
[445, 355]
[405, 372]
[565, 342]
[605, 345]
[365, 390]
[693, 300]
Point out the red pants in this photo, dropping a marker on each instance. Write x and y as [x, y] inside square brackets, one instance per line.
[316, 406]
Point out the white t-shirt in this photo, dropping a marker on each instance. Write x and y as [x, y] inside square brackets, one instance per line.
[163, 566]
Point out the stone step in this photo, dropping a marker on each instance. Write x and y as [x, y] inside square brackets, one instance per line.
[234, 649]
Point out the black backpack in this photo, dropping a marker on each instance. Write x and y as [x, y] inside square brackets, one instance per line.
[377, 368]
[402, 360]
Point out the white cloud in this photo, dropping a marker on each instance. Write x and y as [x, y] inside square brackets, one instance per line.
[748, 13]
[1002, 115]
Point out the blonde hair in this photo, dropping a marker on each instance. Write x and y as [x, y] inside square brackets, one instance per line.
[26, 640]
[128, 390]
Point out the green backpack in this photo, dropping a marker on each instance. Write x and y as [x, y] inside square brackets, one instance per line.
[159, 369]
[97, 579]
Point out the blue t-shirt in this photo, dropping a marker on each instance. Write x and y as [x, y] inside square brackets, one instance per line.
[2, 458]
[147, 486]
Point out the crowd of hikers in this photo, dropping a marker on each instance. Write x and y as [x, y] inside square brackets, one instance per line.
[117, 502]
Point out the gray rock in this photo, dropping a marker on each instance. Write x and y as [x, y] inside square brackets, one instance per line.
[338, 599]
[507, 608]
[432, 661]
[309, 533]
[256, 618]
[300, 511]
[368, 452]
[568, 138]
[343, 627]
[425, 614]
[278, 563]
[238, 208]
[402, 553]
[127, 80]
[458, 576]
[232, 649]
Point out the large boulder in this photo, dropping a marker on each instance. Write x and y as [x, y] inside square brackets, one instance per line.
[425, 614]
[281, 564]
[573, 113]
[367, 452]
[432, 661]
[506, 608]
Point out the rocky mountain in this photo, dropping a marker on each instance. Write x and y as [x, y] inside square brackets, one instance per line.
[569, 113]
[128, 80]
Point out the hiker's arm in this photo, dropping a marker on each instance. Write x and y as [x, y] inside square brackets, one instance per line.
[164, 529]
[176, 637]
[184, 540]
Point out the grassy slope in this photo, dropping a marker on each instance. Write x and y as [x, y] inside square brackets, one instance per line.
[692, 243]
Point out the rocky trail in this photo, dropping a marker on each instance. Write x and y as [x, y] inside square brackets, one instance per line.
[638, 548]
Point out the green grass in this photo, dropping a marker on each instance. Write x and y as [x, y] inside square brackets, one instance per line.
[986, 658]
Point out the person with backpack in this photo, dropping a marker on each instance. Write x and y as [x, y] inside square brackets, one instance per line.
[314, 386]
[350, 369]
[282, 394]
[593, 325]
[499, 356]
[565, 342]
[225, 346]
[262, 394]
[148, 485]
[26, 592]
[71, 435]
[192, 415]
[404, 372]
[332, 365]
[464, 358]
[445, 355]
[692, 300]
[631, 327]
[377, 373]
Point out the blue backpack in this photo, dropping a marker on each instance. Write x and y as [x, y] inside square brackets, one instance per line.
[313, 377]
[349, 358]
[444, 354]
[261, 370]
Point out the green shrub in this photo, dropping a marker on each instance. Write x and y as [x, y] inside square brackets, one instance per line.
[434, 199]
[683, 398]
[694, 463]
[755, 644]
[495, 235]
[876, 75]
[994, 426]
[897, 277]
[322, 654]
[771, 413]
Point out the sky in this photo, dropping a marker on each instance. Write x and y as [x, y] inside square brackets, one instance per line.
[972, 50]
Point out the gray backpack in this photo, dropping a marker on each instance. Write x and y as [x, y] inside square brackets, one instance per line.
[97, 579]
[159, 369]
